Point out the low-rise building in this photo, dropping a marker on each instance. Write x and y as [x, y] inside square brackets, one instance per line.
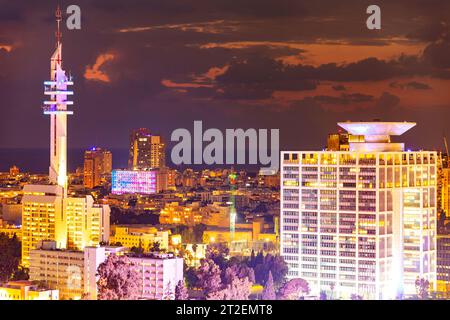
[130, 237]
[160, 273]
[26, 290]
[73, 273]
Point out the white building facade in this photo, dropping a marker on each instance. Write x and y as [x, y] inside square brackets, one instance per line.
[361, 221]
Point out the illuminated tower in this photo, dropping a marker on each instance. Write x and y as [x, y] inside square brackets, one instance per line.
[47, 213]
[56, 107]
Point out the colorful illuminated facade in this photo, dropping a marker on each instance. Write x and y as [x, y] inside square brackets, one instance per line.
[130, 181]
[361, 221]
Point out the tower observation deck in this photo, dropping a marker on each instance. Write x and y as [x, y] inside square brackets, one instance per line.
[56, 89]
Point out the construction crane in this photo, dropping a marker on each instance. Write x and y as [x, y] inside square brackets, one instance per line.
[446, 148]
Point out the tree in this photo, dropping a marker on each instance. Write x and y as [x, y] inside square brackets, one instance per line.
[323, 295]
[155, 247]
[275, 264]
[10, 253]
[269, 290]
[168, 293]
[137, 250]
[208, 275]
[198, 231]
[118, 279]
[219, 254]
[422, 287]
[21, 273]
[181, 292]
[191, 276]
[294, 289]
[238, 289]
[240, 271]
[251, 262]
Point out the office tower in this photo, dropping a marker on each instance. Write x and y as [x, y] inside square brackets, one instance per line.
[146, 150]
[47, 213]
[361, 221]
[97, 166]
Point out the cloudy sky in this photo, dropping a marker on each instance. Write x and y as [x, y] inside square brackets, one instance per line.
[300, 66]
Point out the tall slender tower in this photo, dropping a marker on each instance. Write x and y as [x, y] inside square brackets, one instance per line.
[56, 107]
[48, 214]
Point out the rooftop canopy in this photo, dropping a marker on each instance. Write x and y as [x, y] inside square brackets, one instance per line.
[377, 128]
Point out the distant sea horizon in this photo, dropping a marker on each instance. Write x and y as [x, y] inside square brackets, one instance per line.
[36, 160]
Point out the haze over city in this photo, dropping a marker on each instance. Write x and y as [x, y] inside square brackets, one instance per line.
[300, 66]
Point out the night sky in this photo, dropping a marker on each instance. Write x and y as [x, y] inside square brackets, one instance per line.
[300, 66]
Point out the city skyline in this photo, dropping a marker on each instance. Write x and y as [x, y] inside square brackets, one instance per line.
[341, 201]
[147, 66]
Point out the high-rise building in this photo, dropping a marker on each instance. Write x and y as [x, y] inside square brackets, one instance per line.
[47, 213]
[146, 150]
[361, 221]
[43, 218]
[97, 167]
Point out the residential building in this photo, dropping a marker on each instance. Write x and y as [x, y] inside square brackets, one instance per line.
[97, 167]
[147, 151]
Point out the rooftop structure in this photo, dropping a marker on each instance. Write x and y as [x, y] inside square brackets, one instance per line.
[377, 135]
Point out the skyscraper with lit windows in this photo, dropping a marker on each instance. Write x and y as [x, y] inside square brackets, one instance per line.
[361, 221]
[97, 166]
[146, 150]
